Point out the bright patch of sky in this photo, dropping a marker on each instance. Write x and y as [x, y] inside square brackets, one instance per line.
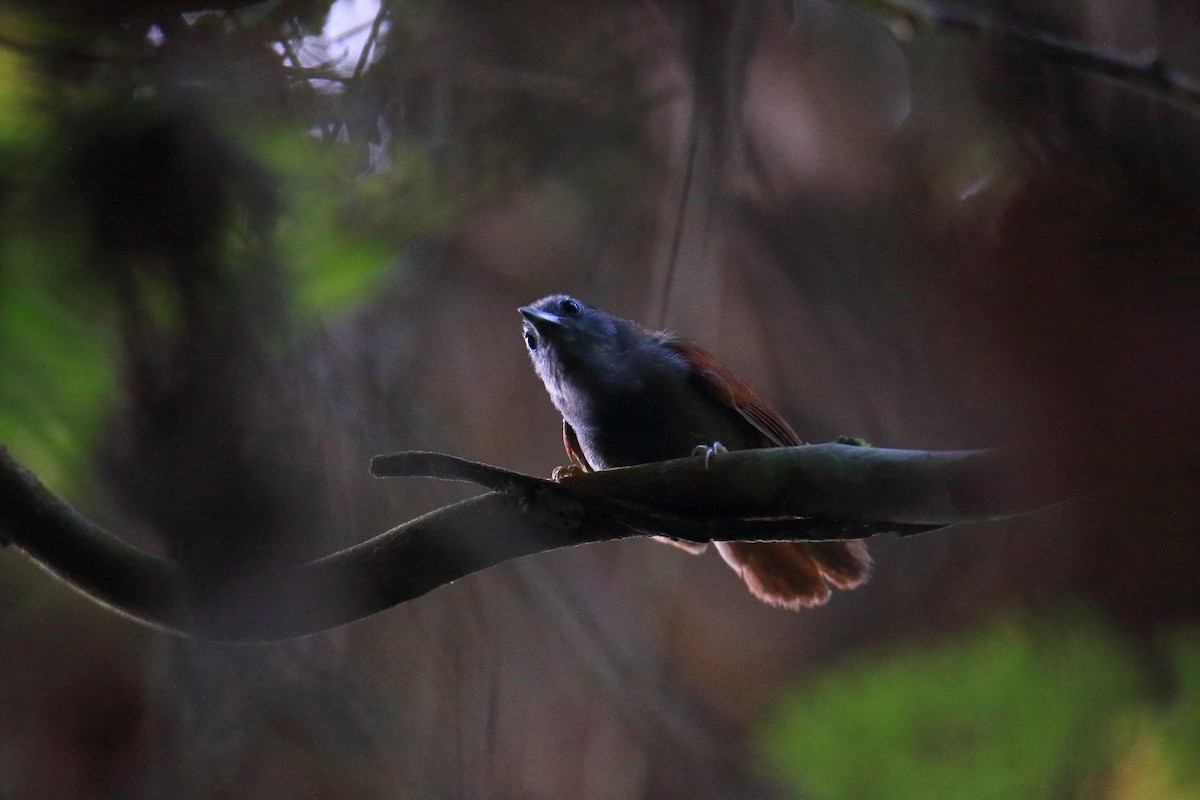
[339, 45]
[347, 29]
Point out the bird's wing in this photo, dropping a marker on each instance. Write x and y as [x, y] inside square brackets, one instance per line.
[734, 392]
[786, 574]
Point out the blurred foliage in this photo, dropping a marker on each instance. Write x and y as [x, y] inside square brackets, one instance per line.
[1180, 727]
[57, 343]
[338, 231]
[58, 351]
[125, 186]
[1022, 708]
[164, 163]
[18, 127]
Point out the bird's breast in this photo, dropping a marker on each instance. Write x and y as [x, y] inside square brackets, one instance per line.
[657, 423]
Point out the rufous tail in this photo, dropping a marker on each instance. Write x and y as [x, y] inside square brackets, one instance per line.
[797, 574]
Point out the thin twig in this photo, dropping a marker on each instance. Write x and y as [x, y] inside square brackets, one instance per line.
[321, 73]
[1145, 73]
[365, 55]
[69, 52]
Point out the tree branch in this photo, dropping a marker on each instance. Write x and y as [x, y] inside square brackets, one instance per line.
[348, 585]
[84, 555]
[899, 488]
[1147, 73]
[364, 57]
[813, 492]
[620, 499]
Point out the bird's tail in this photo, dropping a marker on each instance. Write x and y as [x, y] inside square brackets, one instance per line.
[797, 574]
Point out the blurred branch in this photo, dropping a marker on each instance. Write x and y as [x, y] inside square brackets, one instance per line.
[399, 565]
[318, 73]
[816, 492]
[68, 52]
[1147, 72]
[84, 555]
[365, 56]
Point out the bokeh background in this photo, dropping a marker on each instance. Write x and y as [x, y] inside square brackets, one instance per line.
[245, 246]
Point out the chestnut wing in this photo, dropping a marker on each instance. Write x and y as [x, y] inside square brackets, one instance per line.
[786, 574]
[734, 392]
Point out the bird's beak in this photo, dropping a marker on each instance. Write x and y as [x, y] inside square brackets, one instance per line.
[539, 319]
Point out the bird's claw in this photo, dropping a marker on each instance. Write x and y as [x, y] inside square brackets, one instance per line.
[708, 451]
[569, 471]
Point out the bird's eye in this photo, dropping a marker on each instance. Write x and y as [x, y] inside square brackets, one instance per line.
[531, 339]
[570, 307]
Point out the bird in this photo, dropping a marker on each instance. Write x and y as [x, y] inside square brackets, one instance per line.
[629, 395]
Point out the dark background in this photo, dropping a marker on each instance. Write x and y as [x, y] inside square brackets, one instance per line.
[238, 258]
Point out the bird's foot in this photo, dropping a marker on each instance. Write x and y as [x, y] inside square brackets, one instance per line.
[569, 471]
[708, 451]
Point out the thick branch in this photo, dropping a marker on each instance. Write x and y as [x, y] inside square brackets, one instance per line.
[399, 565]
[810, 492]
[749, 494]
[918, 488]
[348, 585]
[84, 555]
[623, 502]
